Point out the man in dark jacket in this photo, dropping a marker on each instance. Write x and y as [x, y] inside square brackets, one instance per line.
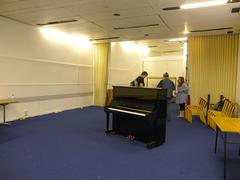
[168, 84]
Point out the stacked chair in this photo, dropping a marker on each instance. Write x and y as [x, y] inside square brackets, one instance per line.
[227, 111]
[197, 109]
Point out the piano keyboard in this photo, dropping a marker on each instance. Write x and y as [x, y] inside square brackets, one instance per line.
[128, 112]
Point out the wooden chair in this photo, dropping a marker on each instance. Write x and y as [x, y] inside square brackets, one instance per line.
[197, 109]
[227, 111]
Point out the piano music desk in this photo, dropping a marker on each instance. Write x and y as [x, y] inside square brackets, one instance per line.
[4, 103]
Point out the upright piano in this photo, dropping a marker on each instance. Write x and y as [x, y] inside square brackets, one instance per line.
[139, 113]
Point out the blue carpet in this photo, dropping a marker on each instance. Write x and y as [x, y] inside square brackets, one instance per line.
[72, 146]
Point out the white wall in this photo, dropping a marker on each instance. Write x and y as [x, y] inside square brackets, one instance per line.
[44, 75]
[125, 63]
[238, 80]
[157, 66]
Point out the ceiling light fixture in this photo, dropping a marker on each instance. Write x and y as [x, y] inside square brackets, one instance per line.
[135, 27]
[57, 22]
[203, 4]
[178, 39]
[105, 38]
[116, 14]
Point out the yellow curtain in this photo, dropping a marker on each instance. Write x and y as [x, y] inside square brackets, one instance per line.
[101, 54]
[212, 62]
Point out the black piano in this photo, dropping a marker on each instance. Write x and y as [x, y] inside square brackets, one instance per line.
[138, 113]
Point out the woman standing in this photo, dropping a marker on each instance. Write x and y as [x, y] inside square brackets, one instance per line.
[181, 98]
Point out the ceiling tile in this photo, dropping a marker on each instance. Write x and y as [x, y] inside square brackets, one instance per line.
[142, 20]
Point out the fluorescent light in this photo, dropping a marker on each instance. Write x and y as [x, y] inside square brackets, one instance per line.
[203, 4]
[178, 39]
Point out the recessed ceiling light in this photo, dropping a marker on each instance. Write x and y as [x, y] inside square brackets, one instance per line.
[104, 38]
[116, 14]
[57, 22]
[203, 4]
[152, 46]
[135, 27]
[214, 29]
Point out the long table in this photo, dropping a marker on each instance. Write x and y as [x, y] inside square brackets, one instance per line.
[4, 103]
[226, 125]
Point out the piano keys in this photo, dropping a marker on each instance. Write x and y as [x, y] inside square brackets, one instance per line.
[138, 112]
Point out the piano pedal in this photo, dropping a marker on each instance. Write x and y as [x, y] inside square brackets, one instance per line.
[131, 137]
[110, 132]
[153, 144]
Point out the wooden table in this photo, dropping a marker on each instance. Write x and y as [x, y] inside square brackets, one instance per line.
[226, 125]
[3, 103]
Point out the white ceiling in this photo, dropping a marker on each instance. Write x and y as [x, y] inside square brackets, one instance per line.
[96, 20]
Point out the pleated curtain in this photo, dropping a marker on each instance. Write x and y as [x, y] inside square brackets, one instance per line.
[212, 64]
[101, 55]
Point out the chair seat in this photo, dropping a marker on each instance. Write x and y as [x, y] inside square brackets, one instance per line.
[198, 109]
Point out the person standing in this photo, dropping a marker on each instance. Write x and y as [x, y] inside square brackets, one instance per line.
[168, 84]
[181, 98]
[139, 81]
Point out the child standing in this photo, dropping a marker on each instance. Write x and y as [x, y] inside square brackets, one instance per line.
[182, 94]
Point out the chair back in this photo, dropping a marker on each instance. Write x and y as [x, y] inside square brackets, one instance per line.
[230, 109]
[225, 106]
[202, 103]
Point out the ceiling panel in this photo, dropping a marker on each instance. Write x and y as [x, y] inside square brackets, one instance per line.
[108, 15]
[35, 17]
[19, 6]
[84, 28]
[95, 17]
[142, 20]
[146, 33]
[203, 18]
[126, 4]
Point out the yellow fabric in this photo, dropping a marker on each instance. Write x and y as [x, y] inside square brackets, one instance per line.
[213, 66]
[101, 54]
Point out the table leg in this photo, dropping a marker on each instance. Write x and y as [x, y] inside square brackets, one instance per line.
[225, 155]
[239, 151]
[216, 140]
[4, 116]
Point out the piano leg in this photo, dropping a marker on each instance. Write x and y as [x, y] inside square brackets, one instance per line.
[107, 124]
[153, 144]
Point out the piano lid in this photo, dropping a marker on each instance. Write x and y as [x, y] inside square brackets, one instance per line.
[140, 93]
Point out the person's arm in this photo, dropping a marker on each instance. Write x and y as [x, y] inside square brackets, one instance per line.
[183, 89]
[160, 84]
[174, 87]
[141, 82]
